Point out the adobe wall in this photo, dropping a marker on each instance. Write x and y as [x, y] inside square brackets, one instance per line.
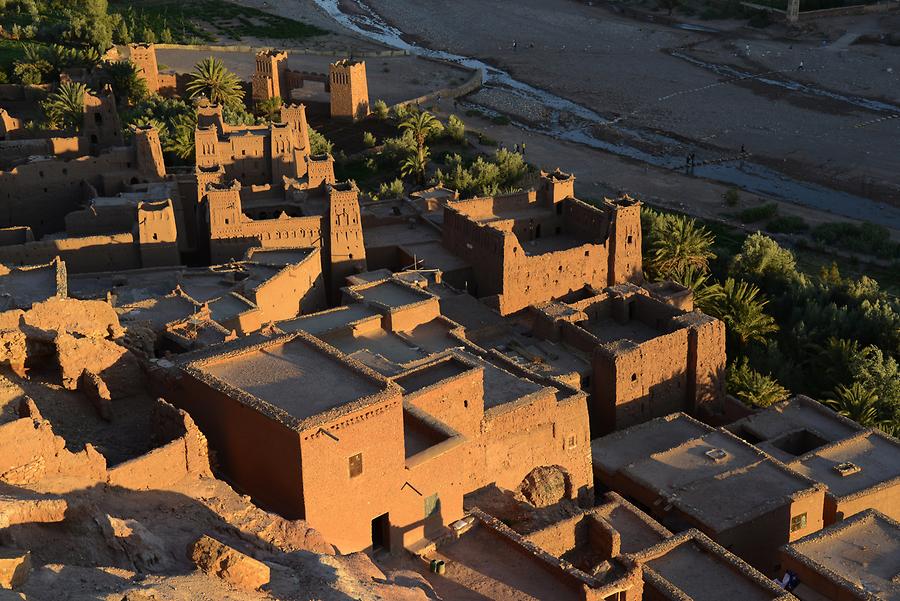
[585, 222]
[456, 401]
[884, 497]
[757, 541]
[477, 245]
[528, 280]
[349, 90]
[82, 255]
[187, 454]
[342, 507]
[706, 366]
[816, 580]
[408, 317]
[30, 452]
[641, 381]
[254, 450]
[296, 288]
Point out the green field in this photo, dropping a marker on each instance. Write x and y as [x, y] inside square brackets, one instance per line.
[197, 21]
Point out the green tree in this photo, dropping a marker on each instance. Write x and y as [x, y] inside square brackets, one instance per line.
[420, 126]
[751, 387]
[369, 139]
[764, 262]
[707, 292]
[270, 109]
[65, 107]
[319, 144]
[181, 136]
[211, 79]
[742, 308]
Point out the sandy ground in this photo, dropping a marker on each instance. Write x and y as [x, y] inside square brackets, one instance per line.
[623, 68]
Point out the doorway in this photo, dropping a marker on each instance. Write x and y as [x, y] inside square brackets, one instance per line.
[381, 533]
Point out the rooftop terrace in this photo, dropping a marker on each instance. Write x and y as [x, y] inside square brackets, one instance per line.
[617, 450]
[861, 553]
[292, 374]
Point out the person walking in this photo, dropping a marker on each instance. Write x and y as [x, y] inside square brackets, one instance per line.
[523, 148]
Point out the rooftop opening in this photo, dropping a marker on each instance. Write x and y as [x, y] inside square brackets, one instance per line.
[799, 442]
[717, 455]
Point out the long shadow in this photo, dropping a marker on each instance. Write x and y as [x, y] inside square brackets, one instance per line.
[168, 523]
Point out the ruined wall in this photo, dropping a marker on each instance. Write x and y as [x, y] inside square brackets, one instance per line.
[40, 194]
[30, 452]
[82, 255]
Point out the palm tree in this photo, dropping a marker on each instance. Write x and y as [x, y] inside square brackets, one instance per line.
[419, 125]
[706, 291]
[741, 306]
[857, 403]
[65, 107]
[751, 387]
[127, 84]
[181, 137]
[680, 244]
[212, 80]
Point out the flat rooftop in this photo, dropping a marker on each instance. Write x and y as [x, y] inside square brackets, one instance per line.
[609, 330]
[501, 387]
[619, 449]
[292, 374]
[703, 575]
[761, 487]
[692, 460]
[638, 531]
[326, 321]
[861, 553]
[549, 244]
[432, 374]
[798, 413]
[876, 456]
[390, 293]
[159, 311]
[481, 565]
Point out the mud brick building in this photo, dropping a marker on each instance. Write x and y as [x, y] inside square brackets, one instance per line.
[860, 466]
[378, 418]
[345, 82]
[167, 83]
[541, 245]
[254, 154]
[858, 558]
[648, 358]
[685, 474]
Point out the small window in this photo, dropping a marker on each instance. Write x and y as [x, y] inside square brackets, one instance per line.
[571, 441]
[226, 221]
[432, 504]
[155, 237]
[356, 465]
[587, 253]
[798, 522]
[634, 377]
[466, 404]
[630, 239]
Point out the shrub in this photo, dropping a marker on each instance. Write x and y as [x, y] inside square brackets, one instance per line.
[787, 224]
[369, 139]
[393, 189]
[500, 120]
[319, 144]
[380, 109]
[731, 197]
[456, 129]
[760, 213]
[486, 141]
[866, 238]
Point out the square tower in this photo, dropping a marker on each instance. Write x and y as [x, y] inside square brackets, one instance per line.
[143, 57]
[267, 80]
[349, 89]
